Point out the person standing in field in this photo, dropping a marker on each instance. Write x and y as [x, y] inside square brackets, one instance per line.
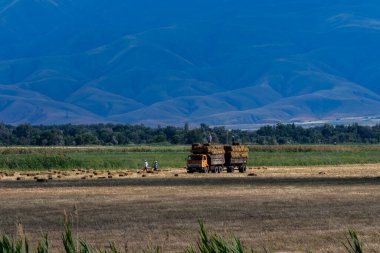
[155, 166]
[209, 138]
[146, 165]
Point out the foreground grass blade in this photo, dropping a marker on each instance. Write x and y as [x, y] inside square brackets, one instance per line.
[85, 247]
[151, 249]
[27, 245]
[67, 237]
[353, 244]
[237, 246]
[43, 245]
[9, 245]
[205, 242]
[113, 248]
[215, 243]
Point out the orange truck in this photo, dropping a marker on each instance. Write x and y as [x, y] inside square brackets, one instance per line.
[217, 158]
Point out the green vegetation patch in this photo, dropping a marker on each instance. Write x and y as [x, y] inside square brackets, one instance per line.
[312, 158]
[132, 157]
[36, 158]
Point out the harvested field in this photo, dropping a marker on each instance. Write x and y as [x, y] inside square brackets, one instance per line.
[283, 209]
[261, 172]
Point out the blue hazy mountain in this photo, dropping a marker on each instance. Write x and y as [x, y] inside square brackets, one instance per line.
[220, 62]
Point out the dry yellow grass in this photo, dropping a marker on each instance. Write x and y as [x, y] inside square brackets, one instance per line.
[310, 211]
[337, 171]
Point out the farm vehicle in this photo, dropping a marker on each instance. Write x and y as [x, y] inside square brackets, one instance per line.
[217, 158]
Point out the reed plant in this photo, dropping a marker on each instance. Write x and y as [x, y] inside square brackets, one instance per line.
[206, 243]
[43, 245]
[353, 244]
[10, 245]
[216, 243]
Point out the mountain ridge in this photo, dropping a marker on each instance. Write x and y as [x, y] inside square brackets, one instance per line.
[214, 62]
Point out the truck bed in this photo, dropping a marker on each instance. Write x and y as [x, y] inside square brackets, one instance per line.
[216, 159]
[236, 160]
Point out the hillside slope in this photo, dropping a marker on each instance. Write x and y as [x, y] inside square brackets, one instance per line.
[217, 62]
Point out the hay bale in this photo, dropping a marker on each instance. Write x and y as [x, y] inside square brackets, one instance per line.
[236, 148]
[207, 149]
[236, 154]
[214, 149]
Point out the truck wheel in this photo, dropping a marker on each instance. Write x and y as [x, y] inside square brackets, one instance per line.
[190, 171]
[241, 169]
[218, 169]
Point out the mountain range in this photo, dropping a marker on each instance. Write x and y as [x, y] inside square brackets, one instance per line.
[220, 62]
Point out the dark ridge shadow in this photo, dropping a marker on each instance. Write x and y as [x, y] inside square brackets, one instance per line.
[248, 181]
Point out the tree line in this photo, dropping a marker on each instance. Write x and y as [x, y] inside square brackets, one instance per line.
[118, 134]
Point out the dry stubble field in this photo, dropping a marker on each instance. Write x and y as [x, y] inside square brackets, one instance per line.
[283, 209]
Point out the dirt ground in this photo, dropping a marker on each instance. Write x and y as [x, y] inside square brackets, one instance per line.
[288, 209]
